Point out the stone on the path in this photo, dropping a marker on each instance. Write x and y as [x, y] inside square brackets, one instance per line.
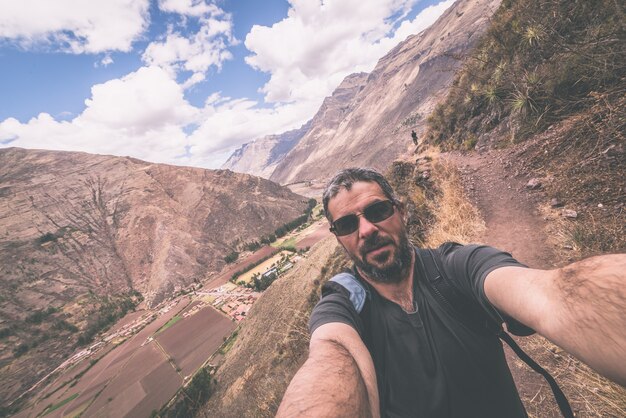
[556, 203]
[569, 213]
[533, 184]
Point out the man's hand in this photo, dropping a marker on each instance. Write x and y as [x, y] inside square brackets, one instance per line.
[337, 380]
[580, 307]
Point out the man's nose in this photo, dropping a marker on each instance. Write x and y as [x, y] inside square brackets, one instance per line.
[366, 228]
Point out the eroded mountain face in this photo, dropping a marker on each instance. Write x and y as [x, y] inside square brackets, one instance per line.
[261, 156]
[82, 234]
[394, 100]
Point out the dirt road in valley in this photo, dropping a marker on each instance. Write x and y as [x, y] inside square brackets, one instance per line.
[515, 225]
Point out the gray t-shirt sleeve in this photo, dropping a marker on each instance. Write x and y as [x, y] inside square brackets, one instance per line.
[469, 265]
[335, 306]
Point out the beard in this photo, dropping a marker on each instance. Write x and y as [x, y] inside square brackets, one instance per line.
[394, 271]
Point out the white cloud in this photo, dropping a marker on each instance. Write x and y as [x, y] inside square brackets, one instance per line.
[427, 17]
[145, 114]
[195, 52]
[75, 26]
[227, 123]
[308, 54]
[144, 100]
[319, 43]
[142, 114]
[106, 61]
[189, 7]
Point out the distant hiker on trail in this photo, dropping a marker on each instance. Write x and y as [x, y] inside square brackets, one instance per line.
[414, 137]
[415, 332]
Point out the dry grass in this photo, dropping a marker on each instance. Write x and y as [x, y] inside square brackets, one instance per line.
[590, 394]
[455, 217]
[574, 239]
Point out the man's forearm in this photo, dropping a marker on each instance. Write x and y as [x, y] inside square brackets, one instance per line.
[590, 319]
[338, 379]
[580, 307]
[328, 384]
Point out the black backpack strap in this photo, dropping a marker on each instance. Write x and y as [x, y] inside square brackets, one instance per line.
[463, 308]
[468, 313]
[561, 400]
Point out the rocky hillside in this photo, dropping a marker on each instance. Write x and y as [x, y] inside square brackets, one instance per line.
[396, 98]
[261, 156]
[85, 237]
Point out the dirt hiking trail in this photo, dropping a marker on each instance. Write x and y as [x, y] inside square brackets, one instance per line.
[508, 209]
[515, 225]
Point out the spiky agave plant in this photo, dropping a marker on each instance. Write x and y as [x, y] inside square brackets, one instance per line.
[523, 102]
[498, 73]
[492, 94]
[533, 35]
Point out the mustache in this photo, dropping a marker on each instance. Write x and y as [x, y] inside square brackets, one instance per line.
[374, 242]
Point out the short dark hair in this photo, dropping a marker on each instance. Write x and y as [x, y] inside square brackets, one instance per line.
[347, 177]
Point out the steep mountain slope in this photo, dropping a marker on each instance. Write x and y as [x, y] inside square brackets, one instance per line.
[261, 156]
[85, 237]
[398, 94]
[548, 79]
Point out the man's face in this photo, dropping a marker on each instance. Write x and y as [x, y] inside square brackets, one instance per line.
[380, 250]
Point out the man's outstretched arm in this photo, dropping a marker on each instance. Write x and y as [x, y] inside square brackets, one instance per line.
[580, 307]
[337, 380]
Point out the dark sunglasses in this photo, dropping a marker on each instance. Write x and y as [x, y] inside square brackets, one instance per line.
[376, 212]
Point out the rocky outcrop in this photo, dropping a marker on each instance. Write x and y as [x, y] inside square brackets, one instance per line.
[261, 156]
[395, 99]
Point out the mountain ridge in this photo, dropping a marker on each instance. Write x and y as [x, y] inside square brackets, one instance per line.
[402, 89]
[257, 158]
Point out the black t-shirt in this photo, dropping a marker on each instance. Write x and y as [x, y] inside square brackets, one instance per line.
[428, 364]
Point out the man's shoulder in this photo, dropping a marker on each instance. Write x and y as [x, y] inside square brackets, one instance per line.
[342, 301]
[350, 286]
[453, 251]
[449, 247]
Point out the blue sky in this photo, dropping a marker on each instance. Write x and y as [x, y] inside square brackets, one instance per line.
[183, 81]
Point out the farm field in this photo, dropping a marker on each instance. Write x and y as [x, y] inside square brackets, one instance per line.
[132, 391]
[192, 340]
[98, 376]
[315, 233]
[261, 268]
[136, 376]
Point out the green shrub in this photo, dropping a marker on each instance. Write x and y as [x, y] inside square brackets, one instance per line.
[232, 257]
[21, 349]
[191, 397]
[47, 237]
[110, 310]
